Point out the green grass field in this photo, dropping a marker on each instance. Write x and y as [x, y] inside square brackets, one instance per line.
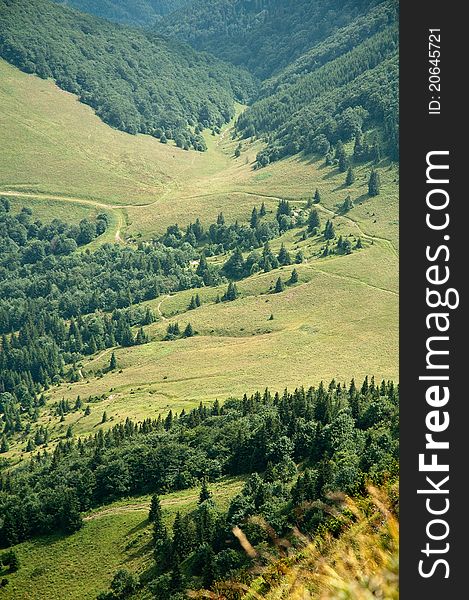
[79, 566]
[340, 321]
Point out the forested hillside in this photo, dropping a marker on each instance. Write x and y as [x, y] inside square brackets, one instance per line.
[138, 12]
[136, 83]
[343, 438]
[334, 70]
[147, 292]
[336, 103]
[263, 35]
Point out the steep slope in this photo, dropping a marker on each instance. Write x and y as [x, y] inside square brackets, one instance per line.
[135, 83]
[137, 12]
[263, 35]
[340, 89]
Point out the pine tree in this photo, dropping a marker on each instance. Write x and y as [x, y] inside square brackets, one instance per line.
[113, 362]
[284, 256]
[314, 221]
[279, 286]
[205, 493]
[231, 293]
[188, 331]
[347, 204]
[329, 231]
[155, 514]
[254, 218]
[299, 258]
[350, 176]
[374, 183]
[294, 277]
[141, 337]
[181, 542]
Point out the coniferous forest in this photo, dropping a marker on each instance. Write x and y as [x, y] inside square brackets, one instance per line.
[198, 372]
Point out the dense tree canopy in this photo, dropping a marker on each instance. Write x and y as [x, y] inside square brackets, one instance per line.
[135, 81]
[345, 86]
[138, 12]
[341, 435]
[262, 35]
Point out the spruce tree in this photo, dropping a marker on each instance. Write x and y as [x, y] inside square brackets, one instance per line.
[254, 218]
[314, 221]
[197, 301]
[155, 516]
[294, 276]
[205, 493]
[374, 183]
[343, 163]
[347, 204]
[141, 337]
[329, 231]
[188, 331]
[317, 197]
[231, 293]
[262, 210]
[284, 256]
[192, 304]
[279, 286]
[104, 417]
[299, 258]
[113, 362]
[350, 176]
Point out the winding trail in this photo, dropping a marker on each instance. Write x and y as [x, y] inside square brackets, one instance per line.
[158, 308]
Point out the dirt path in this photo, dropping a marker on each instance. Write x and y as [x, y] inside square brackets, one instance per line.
[140, 507]
[158, 308]
[115, 208]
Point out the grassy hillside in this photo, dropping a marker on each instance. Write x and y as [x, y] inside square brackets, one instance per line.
[342, 304]
[78, 567]
[135, 82]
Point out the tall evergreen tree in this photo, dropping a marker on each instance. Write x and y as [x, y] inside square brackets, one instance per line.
[279, 286]
[374, 183]
[113, 362]
[350, 176]
[254, 218]
[314, 221]
[205, 493]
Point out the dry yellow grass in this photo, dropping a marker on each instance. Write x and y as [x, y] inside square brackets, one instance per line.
[361, 564]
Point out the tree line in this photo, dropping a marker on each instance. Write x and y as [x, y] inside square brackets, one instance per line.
[340, 435]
